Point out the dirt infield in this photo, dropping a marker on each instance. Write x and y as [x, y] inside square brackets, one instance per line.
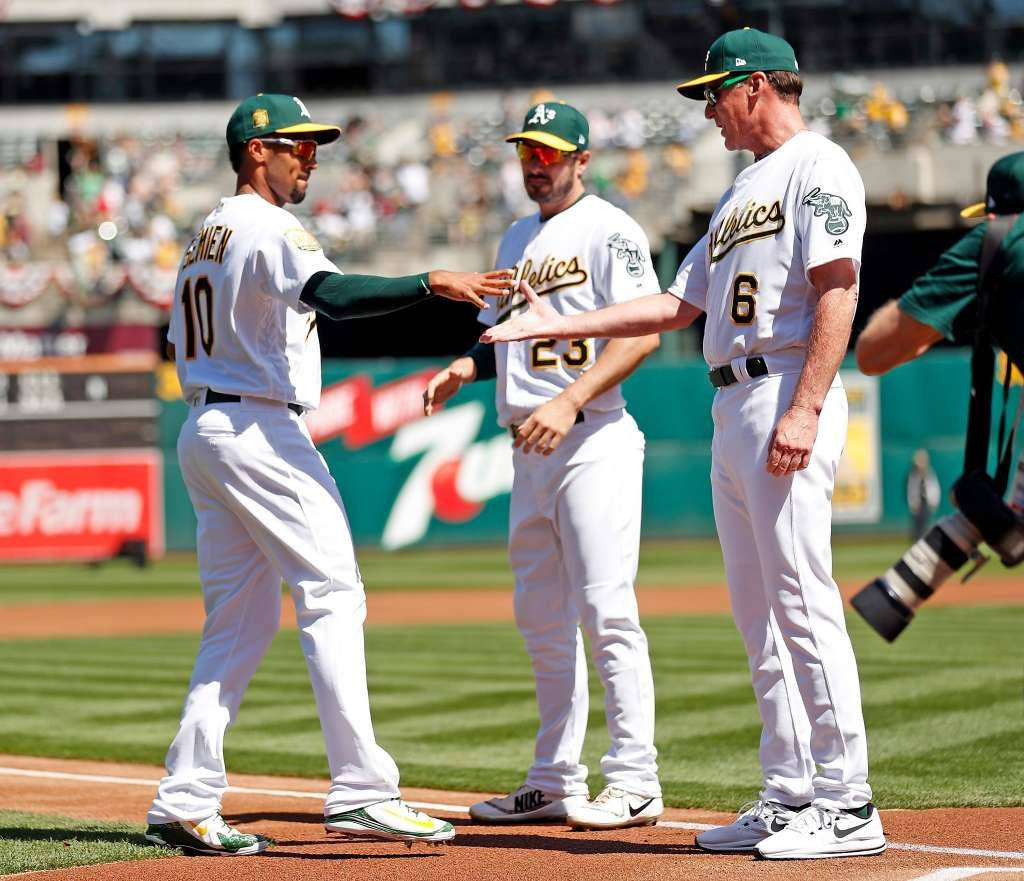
[292, 815]
[185, 614]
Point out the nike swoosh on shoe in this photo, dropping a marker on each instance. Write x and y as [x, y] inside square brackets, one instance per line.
[642, 807]
[842, 833]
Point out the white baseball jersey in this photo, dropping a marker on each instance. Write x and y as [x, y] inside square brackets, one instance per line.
[237, 323]
[799, 207]
[588, 256]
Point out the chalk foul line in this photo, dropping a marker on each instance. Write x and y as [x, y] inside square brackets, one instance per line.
[463, 809]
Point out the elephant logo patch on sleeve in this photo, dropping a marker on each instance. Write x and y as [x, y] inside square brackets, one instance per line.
[833, 208]
[630, 252]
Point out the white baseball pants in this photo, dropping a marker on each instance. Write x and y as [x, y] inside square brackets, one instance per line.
[776, 543]
[574, 537]
[269, 510]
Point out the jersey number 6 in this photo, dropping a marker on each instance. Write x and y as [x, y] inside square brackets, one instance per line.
[542, 356]
[198, 311]
[744, 299]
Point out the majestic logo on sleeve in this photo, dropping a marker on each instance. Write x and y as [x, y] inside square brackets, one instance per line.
[745, 223]
[541, 115]
[630, 252]
[834, 209]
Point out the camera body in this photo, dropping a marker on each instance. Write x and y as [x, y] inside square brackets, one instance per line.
[888, 603]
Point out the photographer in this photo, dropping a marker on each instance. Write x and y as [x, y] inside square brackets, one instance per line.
[972, 294]
[942, 302]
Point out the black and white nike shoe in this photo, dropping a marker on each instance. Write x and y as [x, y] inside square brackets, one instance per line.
[526, 805]
[615, 808]
[819, 833]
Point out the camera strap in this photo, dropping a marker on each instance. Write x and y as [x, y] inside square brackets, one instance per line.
[979, 416]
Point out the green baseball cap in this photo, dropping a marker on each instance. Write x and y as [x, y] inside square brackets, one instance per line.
[740, 52]
[1004, 189]
[266, 114]
[555, 124]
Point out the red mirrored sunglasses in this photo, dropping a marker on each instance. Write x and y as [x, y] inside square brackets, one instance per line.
[545, 155]
[303, 149]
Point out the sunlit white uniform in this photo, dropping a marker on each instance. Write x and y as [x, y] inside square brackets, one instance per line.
[799, 207]
[575, 515]
[267, 507]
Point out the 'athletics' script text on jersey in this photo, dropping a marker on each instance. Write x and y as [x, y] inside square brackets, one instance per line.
[590, 255]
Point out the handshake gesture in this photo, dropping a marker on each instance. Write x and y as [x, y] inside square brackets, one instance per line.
[540, 320]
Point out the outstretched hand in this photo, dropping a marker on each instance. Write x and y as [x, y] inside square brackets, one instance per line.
[540, 320]
[471, 287]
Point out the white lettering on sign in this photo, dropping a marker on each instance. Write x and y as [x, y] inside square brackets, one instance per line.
[39, 507]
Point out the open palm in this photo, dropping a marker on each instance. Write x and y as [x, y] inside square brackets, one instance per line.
[540, 320]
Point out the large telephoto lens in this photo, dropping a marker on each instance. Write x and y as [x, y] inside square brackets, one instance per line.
[888, 603]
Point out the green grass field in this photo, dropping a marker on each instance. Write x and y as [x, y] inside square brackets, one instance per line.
[455, 704]
[662, 563]
[33, 842]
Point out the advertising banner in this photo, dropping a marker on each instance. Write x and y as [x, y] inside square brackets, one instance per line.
[80, 505]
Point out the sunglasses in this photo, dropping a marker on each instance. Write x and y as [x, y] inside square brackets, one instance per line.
[545, 155]
[303, 149]
[711, 94]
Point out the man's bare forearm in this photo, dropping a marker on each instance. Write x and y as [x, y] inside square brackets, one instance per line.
[830, 335]
[636, 318]
[618, 360]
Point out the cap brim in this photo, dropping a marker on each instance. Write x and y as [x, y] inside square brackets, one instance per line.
[695, 88]
[322, 134]
[975, 210]
[545, 138]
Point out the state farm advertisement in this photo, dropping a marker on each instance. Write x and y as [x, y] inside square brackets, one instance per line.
[57, 506]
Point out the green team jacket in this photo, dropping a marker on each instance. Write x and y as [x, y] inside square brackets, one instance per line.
[940, 297]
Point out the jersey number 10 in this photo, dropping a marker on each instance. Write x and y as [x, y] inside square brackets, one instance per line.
[198, 311]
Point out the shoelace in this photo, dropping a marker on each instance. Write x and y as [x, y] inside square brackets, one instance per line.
[607, 794]
[759, 809]
[217, 824]
[811, 819]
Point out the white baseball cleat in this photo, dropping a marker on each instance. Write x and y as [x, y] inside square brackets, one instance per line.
[819, 833]
[526, 805]
[210, 837]
[757, 821]
[392, 819]
[616, 808]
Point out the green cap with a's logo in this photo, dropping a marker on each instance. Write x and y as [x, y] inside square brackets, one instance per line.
[738, 52]
[266, 114]
[555, 124]
[1004, 190]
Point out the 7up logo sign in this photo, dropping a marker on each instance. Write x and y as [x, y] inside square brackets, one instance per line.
[542, 115]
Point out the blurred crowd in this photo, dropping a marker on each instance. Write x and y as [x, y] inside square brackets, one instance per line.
[859, 110]
[106, 215]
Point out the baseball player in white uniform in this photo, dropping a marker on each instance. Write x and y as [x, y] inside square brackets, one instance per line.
[243, 328]
[777, 275]
[574, 525]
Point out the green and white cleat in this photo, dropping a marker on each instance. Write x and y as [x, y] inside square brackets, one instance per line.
[210, 837]
[393, 820]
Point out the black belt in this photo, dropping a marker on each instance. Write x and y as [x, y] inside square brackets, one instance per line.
[514, 429]
[213, 397]
[724, 375]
